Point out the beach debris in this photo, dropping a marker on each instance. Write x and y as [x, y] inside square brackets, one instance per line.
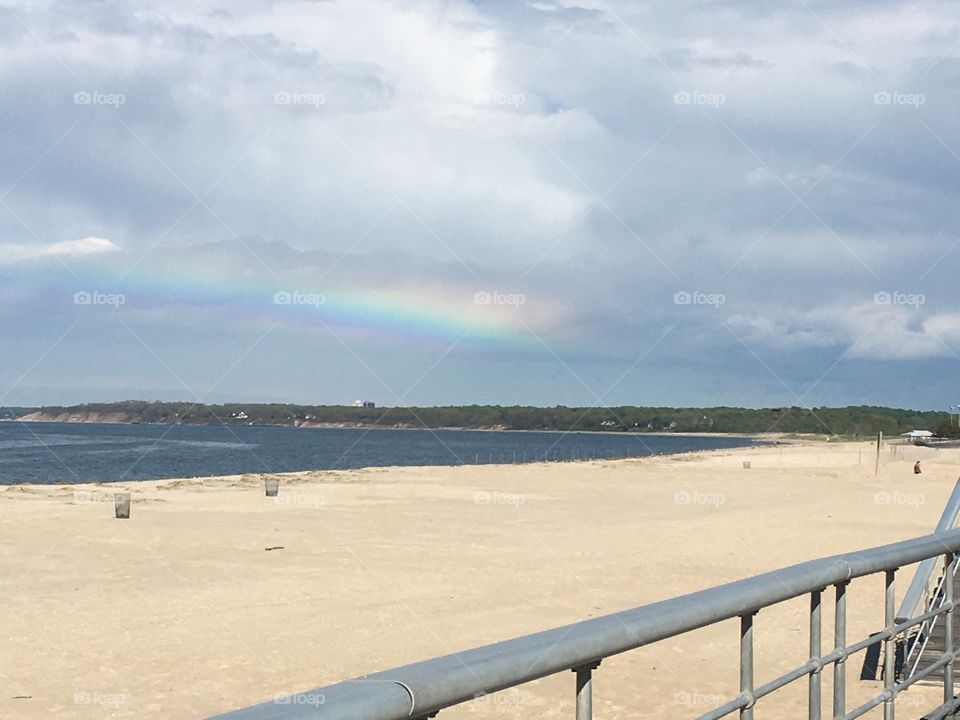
[121, 502]
[271, 486]
[275, 547]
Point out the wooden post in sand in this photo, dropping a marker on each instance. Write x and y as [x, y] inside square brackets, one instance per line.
[121, 503]
[876, 465]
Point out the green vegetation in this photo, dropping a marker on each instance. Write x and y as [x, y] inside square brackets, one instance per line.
[856, 421]
[11, 413]
[946, 427]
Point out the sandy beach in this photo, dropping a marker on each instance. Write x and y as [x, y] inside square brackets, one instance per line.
[184, 611]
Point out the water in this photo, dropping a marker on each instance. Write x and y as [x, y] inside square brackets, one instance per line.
[65, 452]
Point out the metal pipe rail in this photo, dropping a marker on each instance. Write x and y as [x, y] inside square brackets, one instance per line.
[921, 579]
[421, 689]
[927, 625]
[918, 592]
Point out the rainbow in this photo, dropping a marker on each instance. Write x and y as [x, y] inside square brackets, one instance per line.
[440, 314]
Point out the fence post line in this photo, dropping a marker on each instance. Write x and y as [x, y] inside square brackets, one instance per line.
[840, 643]
[889, 648]
[585, 690]
[746, 664]
[949, 568]
[813, 683]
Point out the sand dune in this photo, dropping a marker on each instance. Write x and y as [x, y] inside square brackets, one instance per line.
[181, 612]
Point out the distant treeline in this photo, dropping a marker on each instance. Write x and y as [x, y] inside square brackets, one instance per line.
[852, 421]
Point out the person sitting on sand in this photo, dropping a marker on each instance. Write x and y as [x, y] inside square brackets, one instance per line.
[916, 468]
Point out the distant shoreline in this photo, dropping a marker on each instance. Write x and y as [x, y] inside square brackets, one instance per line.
[370, 426]
[849, 422]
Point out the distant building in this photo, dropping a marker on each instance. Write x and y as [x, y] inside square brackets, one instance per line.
[917, 436]
[364, 404]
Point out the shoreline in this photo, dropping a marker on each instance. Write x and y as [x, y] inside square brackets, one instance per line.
[373, 426]
[374, 468]
[781, 436]
[751, 441]
[313, 474]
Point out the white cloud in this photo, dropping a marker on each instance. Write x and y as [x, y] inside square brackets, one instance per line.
[779, 333]
[866, 330]
[11, 253]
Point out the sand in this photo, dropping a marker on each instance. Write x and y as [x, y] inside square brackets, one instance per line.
[182, 612]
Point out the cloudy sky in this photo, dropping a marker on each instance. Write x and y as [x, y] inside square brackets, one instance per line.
[546, 202]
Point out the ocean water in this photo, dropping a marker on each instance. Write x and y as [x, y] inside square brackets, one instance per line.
[67, 453]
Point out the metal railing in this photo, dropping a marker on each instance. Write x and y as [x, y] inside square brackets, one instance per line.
[422, 689]
[920, 593]
[921, 579]
[917, 642]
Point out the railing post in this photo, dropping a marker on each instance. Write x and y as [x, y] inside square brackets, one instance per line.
[585, 690]
[889, 649]
[949, 568]
[746, 664]
[840, 643]
[815, 654]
